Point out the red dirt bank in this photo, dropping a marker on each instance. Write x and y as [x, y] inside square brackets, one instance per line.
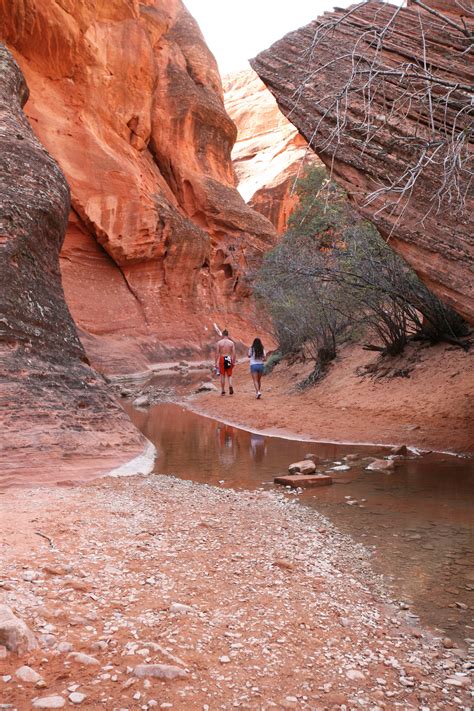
[433, 408]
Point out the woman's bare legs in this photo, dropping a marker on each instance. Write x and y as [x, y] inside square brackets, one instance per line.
[255, 381]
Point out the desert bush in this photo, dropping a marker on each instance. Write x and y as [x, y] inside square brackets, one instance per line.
[272, 360]
[332, 277]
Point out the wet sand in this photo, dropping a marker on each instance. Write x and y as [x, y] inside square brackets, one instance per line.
[257, 602]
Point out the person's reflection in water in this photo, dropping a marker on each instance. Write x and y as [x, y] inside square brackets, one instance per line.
[227, 444]
[258, 447]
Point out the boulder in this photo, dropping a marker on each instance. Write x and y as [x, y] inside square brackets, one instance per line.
[306, 466]
[14, 633]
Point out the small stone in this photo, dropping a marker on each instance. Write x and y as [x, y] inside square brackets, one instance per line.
[447, 643]
[159, 671]
[224, 659]
[458, 680]
[205, 388]
[179, 607]
[142, 401]
[78, 585]
[76, 697]
[29, 575]
[400, 451]
[28, 675]
[354, 674]
[81, 658]
[55, 569]
[3, 652]
[14, 633]
[64, 647]
[283, 564]
[49, 702]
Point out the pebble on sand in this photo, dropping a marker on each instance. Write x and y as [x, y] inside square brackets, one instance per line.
[49, 702]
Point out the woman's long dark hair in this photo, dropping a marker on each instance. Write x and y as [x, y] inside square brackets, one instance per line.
[257, 347]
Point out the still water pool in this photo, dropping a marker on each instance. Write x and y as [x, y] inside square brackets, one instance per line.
[418, 520]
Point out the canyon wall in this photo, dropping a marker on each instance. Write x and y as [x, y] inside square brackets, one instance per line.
[58, 419]
[127, 98]
[378, 92]
[269, 153]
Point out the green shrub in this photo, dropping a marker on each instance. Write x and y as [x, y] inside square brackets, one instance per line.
[333, 278]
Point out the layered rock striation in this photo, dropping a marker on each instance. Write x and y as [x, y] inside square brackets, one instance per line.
[127, 97]
[269, 154]
[58, 419]
[382, 94]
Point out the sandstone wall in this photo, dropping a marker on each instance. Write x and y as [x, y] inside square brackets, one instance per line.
[57, 418]
[308, 69]
[127, 97]
[269, 153]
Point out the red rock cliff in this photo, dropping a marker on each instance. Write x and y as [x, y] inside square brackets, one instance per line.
[57, 418]
[269, 153]
[128, 99]
[378, 91]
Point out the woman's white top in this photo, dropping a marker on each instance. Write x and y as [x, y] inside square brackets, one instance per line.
[254, 360]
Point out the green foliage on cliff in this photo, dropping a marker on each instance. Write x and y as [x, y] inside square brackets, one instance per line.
[333, 278]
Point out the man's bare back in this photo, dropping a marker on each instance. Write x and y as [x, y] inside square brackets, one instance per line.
[225, 347]
[225, 351]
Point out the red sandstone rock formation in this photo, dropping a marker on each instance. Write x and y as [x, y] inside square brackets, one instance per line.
[127, 97]
[269, 153]
[308, 69]
[58, 419]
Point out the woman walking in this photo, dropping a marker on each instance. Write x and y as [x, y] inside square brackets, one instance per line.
[257, 359]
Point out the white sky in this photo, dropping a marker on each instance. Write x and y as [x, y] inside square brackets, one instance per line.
[237, 30]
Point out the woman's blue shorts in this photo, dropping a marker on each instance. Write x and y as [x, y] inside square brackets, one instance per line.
[256, 368]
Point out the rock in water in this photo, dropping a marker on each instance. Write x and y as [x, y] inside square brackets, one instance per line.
[59, 414]
[14, 633]
[309, 68]
[382, 465]
[306, 466]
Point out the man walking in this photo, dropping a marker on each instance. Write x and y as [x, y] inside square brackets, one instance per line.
[225, 360]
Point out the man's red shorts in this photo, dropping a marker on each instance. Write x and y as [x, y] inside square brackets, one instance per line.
[222, 370]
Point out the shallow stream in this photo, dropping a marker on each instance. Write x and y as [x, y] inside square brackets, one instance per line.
[418, 520]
